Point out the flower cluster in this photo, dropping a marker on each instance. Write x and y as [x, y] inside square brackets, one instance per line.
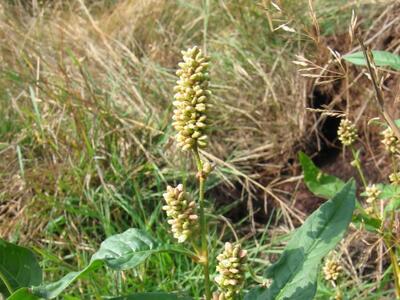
[191, 100]
[181, 213]
[372, 192]
[370, 210]
[217, 296]
[395, 178]
[390, 141]
[338, 295]
[231, 271]
[347, 132]
[332, 269]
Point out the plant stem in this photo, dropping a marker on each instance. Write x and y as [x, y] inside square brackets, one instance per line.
[358, 167]
[393, 255]
[396, 269]
[378, 92]
[203, 225]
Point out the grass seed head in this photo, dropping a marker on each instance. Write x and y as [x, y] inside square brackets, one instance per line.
[192, 100]
[181, 213]
[231, 263]
[347, 132]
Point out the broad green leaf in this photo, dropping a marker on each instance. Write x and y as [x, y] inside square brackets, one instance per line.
[23, 294]
[152, 296]
[381, 58]
[384, 124]
[393, 205]
[119, 252]
[326, 186]
[18, 268]
[365, 221]
[319, 183]
[391, 193]
[388, 191]
[294, 275]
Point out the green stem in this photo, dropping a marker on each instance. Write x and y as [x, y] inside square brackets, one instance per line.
[396, 269]
[6, 283]
[203, 225]
[255, 277]
[358, 167]
[394, 163]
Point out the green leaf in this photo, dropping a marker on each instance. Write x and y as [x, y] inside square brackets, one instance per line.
[294, 275]
[381, 58]
[393, 205]
[390, 192]
[326, 186]
[152, 296]
[18, 268]
[319, 183]
[364, 221]
[23, 294]
[119, 252]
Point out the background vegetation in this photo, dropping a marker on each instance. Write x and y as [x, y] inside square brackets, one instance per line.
[86, 144]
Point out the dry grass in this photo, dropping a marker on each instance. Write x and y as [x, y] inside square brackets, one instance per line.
[82, 81]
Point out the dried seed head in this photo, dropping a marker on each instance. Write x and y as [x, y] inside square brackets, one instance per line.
[394, 178]
[347, 132]
[390, 141]
[372, 192]
[191, 100]
[181, 213]
[231, 263]
[332, 269]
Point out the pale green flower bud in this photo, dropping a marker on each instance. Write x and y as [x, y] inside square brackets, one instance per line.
[207, 168]
[332, 270]
[338, 295]
[372, 193]
[347, 132]
[191, 100]
[370, 211]
[395, 178]
[181, 213]
[217, 296]
[231, 271]
[390, 141]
